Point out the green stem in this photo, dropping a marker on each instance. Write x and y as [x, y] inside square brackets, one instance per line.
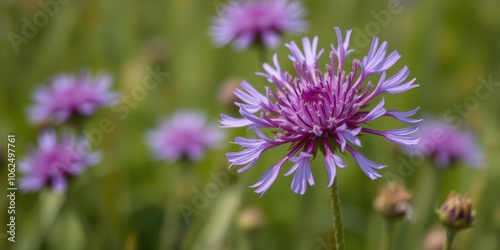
[337, 217]
[450, 235]
[170, 231]
[87, 228]
[113, 239]
[388, 231]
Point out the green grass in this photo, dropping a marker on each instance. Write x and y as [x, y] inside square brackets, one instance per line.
[447, 45]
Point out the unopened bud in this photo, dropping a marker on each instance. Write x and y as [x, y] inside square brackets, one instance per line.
[456, 212]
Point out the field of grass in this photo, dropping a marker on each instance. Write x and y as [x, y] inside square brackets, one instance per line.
[129, 201]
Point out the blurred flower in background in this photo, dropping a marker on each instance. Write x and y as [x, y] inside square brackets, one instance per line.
[186, 135]
[393, 202]
[319, 110]
[55, 161]
[252, 22]
[435, 239]
[447, 145]
[71, 96]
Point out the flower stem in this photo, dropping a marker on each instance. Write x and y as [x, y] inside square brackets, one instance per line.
[87, 228]
[388, 231]
[450, 235]
[337, 217]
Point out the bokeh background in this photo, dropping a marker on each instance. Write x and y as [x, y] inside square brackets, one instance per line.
[132, 202]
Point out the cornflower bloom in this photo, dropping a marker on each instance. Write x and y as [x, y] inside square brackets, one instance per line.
[55, 161]
[447, 145]
[252, 22]
[315, 109]
[71, 96]
[186, 135]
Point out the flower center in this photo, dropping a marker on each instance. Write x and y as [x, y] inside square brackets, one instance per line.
[312, 96]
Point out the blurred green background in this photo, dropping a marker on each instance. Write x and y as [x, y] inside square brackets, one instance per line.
[131, 202]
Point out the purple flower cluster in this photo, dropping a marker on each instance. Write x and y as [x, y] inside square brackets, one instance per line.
[54, 161]
[447, 145]
[186, 135]
[319, 110]
[250, 22]
[69, 96]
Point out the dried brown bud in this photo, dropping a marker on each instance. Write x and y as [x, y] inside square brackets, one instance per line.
[393, 201]
[226, 94]
[251, 219]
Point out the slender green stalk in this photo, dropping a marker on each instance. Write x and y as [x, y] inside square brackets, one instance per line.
[170, 235]
[170, 227]
[337, 217]
[450, 235]
[388, 234]
[87, 228]
[113, 239]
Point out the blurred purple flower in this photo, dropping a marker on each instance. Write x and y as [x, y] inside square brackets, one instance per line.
[315, 109]
[55, 161]
[68, 96]
[447, 145]
[250, 22]
[186, 135]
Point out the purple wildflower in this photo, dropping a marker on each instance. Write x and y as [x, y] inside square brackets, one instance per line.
[447, 145]
[185, 135]
[315, 109]
[69, 96]
[250, 22]
[55, 161]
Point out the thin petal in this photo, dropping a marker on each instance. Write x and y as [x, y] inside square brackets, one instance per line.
[366, 165]
[404, 116]
[267, 179]
[231, 122]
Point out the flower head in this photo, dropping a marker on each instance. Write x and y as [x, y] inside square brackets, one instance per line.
[314, 109]
[71, 96]
[186, 135]
[55, 161]
[448, 145]
[250, 22]
[456, 213]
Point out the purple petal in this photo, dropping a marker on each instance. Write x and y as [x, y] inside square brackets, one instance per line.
[375, 113]
[404, 116]
[273, 72]
[231, 122]
[402, 136]
[375, 61]
[346, 134]
[267, 179]
[342, 50]
[270, 38]
[394, 84]
[366, 165]
[331, 162]
[251, 97]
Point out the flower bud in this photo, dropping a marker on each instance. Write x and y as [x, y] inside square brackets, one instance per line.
[251, 219]
[435, 239]
[456, 212]
[226, 94]
[393, 201]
